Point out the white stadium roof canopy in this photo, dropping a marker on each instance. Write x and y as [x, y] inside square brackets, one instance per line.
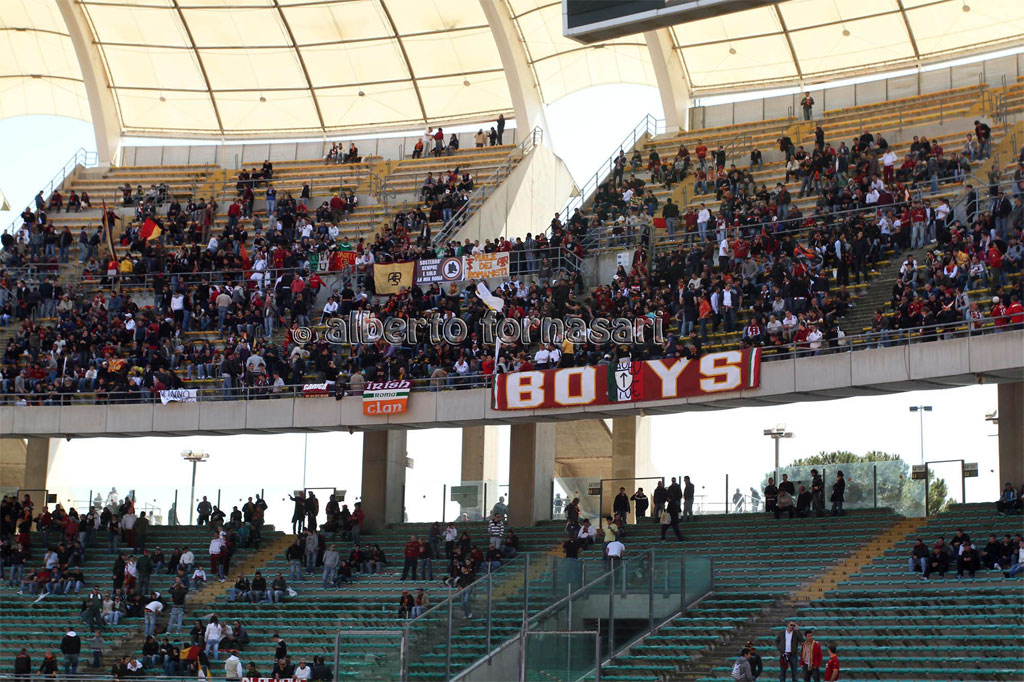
[214, 68]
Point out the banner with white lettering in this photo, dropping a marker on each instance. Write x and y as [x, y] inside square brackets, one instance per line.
[178, 395]
[626, 381]
[433, 270]
[381, 398]
[317, 390]
[486, 265]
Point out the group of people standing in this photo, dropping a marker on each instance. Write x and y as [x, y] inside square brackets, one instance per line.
[785, 499]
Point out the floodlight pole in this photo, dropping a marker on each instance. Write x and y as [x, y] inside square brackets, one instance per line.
[921, 409]
[776, 434]
[194, 456]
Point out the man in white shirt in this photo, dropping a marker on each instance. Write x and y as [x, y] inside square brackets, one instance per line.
[888, 161]
[216, 550]
[153, 609]
[703, 218]
[303, 672]
[185, 562]
[542, 357]
[586, 534]
[614, 550]
[788, 643]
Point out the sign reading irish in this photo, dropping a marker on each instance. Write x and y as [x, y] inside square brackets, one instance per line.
[385, 397]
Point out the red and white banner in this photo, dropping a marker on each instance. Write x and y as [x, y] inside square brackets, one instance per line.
[627, 381]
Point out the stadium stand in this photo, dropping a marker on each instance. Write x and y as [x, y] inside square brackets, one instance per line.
[36, 621]
[971, 619]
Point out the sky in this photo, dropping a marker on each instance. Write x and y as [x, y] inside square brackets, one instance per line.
[706, 445]
[703, 445]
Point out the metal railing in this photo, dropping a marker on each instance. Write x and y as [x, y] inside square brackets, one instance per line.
[648, 127]
[478, 197]
[788, 351]
[609, 236]
[81, 157]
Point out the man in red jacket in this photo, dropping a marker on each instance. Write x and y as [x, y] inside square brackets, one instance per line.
[1015, 312]
[411, 554]
[810, 657]
[998, 313]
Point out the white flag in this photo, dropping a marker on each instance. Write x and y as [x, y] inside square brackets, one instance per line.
[490, 300]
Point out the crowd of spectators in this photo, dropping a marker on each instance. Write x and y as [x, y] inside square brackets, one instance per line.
[253, 282]
[965, 556]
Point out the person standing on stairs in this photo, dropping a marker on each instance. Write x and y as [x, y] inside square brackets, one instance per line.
[741, 668]
[788, 643]
[810, 658]
[687, 498]
[838, 494]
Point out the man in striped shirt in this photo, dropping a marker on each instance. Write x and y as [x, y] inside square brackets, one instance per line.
[496, 531]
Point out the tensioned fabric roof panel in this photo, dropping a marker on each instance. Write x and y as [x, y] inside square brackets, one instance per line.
[294, 67]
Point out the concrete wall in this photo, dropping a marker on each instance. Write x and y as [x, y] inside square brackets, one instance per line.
[234, 155]
[525, 202]
[993, 72]
[992, 358]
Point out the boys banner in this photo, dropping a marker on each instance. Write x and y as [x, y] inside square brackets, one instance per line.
[627, 381]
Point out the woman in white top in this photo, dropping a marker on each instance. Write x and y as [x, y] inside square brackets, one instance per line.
[212, 636]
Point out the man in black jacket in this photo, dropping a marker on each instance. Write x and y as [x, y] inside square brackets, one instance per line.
[838, 494]
[771, 496]
[687, 498]
[621, 504]
[71, 647]
[660, 498]
[22, 666]
[817, 493]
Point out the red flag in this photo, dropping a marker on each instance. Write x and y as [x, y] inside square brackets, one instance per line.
[150, 230]
[246, 263]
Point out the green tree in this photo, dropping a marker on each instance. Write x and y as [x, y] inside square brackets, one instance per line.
[874, 476]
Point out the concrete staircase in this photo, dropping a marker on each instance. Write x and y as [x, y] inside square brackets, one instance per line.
[878, 292]
[817, 588]
[777, 611]
[198, 603]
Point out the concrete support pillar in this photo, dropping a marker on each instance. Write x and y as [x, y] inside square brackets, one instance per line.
[383, 492]
[480, 460]
[531, 468]
[37, 463]
[631, 458]
[526, 98]
[1011, 434]
[672, 82]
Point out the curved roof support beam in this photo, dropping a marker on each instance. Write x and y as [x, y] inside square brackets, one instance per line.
[302, 63]
[672, 82]
[202, 67]
[526, 98]
[792, 50]
[106, 121]
[405, 56]
[910, 32]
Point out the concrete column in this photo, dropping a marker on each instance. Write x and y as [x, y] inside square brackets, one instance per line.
[37, 463]
[383, 492]
[1011, 434]
[105, 120]
[631, 458]
[522, 86]
[531, 468]
[480, 460]
[672, 82]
